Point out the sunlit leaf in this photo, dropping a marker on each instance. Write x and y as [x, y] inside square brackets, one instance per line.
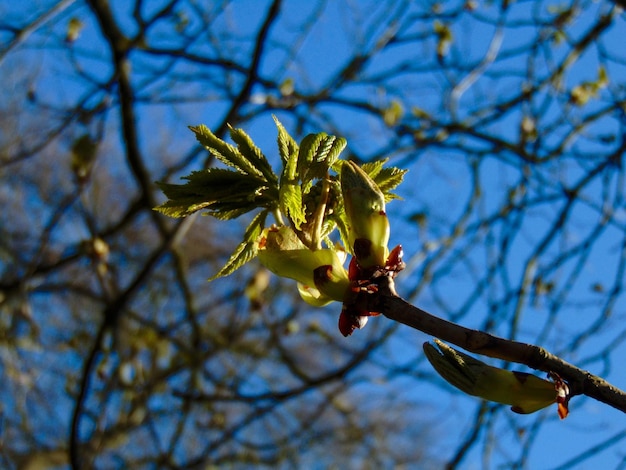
[223, 151]
[290, 192]
[247, 249]
[287, 147]
[373, 168]
[318, 152]
[291, 203]
[326, 155]
[252, 153]
[387, 178]
[215, 189]
[307, 154]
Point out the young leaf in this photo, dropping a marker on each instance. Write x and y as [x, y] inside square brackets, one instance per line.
[228, 211]
[373, 168]
[307, 152]
[367, 223]
[226, 153]
[247, 249]
[325, 154]
[216, 189]
[291, 203]
[338, 217]
[388, 179]
[335, 149]
[290, 193]
[252, 153]
[287, 147]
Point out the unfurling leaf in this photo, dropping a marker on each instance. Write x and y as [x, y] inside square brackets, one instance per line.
[316, 193]
[223, 151]
[252, 153]
[526, 393]
[386, 178]
[287, 147]
[308, 149]
[247, 249]
[366, 220]
[223, 193]
[318, 153]
[290, 193]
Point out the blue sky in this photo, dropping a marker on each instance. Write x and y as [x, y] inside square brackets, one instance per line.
[440, 180]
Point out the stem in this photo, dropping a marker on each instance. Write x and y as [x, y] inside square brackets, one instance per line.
[580, 381]
[318, 217]
[279, 217]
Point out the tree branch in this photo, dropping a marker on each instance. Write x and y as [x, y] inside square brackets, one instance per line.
[580, 382]
[253, 70]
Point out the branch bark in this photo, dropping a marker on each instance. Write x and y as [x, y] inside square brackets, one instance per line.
[581, 382]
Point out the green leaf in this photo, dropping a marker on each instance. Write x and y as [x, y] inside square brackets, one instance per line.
[373, 168]
[181, 207]
[290, 192]
[335, 149]
[247, 249]
[287, 147]
[217, 190]
[253, 154]
[230, 211]
[291, 203]
[324, 156]
[309, 147]
[224, 152]
[388, 179]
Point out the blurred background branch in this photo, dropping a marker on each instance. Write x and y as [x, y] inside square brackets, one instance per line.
[510, 119]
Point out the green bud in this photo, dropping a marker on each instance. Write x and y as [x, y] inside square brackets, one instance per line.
[320, 273]
[526, 393]
[367, 223]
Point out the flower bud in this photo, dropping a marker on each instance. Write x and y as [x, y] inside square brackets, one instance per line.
[526, 393]
[368, 226]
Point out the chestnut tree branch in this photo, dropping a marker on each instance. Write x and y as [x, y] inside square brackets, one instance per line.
[581, 382]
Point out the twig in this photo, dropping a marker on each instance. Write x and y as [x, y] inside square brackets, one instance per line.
[580, 382]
